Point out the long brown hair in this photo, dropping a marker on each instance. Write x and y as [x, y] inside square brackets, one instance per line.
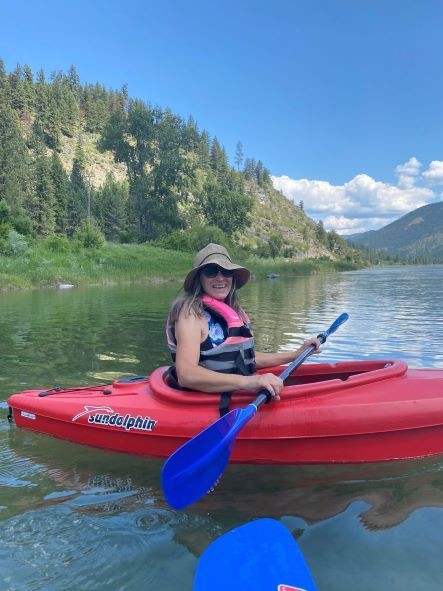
[191, 301]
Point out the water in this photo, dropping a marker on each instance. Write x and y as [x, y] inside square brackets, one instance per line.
[73, 517]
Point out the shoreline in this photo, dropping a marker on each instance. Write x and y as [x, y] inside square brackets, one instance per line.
[40, 267]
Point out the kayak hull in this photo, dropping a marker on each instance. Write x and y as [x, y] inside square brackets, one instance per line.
[351, 412]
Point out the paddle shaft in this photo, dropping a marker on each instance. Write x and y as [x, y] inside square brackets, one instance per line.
[264, 395]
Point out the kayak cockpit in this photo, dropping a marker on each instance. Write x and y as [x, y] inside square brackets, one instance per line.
[308, 380]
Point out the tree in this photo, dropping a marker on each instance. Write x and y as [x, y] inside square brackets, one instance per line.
[16, 90]
[43, 214]
[204, 159]
[150, 142]
[74, 82]
[275, 244]
[258, 173]
[219, 161]
[15, 165]
[267, 181]
[111, 209]
[28, 89]
[60, 183]
[226, 209]
[249, 169]
[320, 232]
[239, 157]
[301, 205]
[78, 193]
[3, 79]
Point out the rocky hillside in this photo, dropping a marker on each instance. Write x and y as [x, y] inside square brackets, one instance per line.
[416, 235]
[275, 221]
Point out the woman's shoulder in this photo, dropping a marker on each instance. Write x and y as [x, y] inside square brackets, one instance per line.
[191, 317]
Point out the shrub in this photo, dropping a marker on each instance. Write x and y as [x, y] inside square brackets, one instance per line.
[89, 235]
[57, 244]
[12, 243]
[194, 239]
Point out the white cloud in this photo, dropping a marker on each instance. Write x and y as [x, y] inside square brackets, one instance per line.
[434, 173]
[363, 203]
[408, 172]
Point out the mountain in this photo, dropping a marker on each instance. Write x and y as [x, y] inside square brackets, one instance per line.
[416, 235]
[76, 155]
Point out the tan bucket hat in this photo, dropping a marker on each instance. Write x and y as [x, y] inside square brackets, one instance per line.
[215, 253]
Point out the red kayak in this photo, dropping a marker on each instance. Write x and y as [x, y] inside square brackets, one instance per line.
[356, 411]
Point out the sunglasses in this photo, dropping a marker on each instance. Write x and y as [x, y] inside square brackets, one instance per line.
[212, 271]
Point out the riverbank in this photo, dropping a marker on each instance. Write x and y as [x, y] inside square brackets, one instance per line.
[42, 266]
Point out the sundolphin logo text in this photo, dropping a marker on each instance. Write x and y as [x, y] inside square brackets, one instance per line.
[115, 419]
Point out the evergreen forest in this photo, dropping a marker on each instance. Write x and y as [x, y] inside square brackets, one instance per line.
[83, 162]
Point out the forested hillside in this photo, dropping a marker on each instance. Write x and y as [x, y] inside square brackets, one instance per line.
[417, 236]
[82, 160]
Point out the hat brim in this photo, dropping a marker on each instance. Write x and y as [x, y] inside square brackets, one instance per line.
[242, 274]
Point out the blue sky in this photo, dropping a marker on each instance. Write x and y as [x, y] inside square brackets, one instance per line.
[341, 99]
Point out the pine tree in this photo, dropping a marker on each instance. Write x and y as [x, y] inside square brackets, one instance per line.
[320, 232]
[239, 156]
[190, 135]
[219, 161]
[74, 82]
[249, 169]
[267, 181]
[28, 89]
[258, 173]
[46, 112]
[111, 209]
[79, 192]
[52, 121]
[43, 214]
[17, 90]
[60, 183]
[204, 159]
[15, 166]
[3, 76]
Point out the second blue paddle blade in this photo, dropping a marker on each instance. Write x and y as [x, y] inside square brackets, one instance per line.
[261, 555]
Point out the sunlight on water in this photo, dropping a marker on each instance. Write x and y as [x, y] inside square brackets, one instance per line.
[74, 518]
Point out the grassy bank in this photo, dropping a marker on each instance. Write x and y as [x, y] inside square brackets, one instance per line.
[42, 266]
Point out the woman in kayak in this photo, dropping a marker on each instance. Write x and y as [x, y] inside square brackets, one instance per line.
[209, 334]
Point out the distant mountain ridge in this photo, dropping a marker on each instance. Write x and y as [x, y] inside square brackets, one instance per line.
[418, 234]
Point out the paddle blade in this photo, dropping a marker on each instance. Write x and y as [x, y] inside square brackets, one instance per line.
[194, 469]
[261, 555]
[342, 318]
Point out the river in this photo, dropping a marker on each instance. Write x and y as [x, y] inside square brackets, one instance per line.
[75, 518]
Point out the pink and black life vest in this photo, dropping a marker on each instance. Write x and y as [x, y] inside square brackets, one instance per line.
[236, 353]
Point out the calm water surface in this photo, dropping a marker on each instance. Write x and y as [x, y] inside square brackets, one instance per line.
[75, 518]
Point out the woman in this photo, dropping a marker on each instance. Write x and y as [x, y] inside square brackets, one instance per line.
[209, 334]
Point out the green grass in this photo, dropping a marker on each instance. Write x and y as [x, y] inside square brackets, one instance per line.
[41, 266]
[261, 267]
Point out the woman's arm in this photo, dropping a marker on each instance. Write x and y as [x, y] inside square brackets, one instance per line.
[190, 332]
[270, 359]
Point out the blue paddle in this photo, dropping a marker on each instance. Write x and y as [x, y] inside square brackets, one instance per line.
[261, 555]
[193, 470]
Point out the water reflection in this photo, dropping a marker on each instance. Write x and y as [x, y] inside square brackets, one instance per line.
[103, 482]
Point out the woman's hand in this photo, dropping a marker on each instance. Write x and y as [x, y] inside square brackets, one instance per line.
[312, 341]
[267, 381]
